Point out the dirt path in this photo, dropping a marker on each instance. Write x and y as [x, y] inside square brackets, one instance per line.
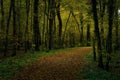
[62, 66]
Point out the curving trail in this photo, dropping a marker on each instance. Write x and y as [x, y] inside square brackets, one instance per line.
[63, 66]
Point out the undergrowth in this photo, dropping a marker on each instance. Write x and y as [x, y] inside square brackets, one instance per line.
[93, 72]
[12, 65]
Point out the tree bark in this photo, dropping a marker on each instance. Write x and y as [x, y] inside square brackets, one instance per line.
[97, 34]
[51, 4]
[94, 49]
[116, 27]
[27, 22]
[109, 36]
[3, 15]
[60, 23]
[66, 28]
[7, 29]
[14, 28]
[88, 35]
[81, 35]
[102, 4]
[36, 30]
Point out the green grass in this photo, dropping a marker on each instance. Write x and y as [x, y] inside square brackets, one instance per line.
[11, 66]
[99, 74]
[95, 73]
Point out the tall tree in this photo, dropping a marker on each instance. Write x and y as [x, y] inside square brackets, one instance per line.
[7, 29]
[66, 25]
[109, 36]
[27, 24]
[102, 7]
[3, 14]
[14, 28]
[36, 30]
[94, 49]
[82, 27]
[51, 5]
[97, 33]
[44, 25]
[19, 21]
[116, 19]
[88, 35]
[60, 22]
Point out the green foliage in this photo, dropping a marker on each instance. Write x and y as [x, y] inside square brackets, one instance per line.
[99, 74]
[95, 73]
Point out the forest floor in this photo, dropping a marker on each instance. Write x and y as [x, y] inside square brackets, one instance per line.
[73, 64]
[63, 66]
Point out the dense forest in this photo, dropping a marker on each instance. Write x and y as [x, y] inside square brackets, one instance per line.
[44, 25]
[29, 26]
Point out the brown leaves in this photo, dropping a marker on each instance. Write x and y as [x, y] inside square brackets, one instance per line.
[63, 66]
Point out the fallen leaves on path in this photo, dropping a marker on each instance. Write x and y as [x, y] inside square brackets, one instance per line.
[63, 66]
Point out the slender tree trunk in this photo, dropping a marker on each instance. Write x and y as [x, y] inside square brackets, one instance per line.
[88, 35]
[116, 27]
[60, 23]
[31, 13]
[2, 26]
[3, 20]
[51, 4]
[14, 29]
[7, 29]
[81, 35]
[54, 27]
[94, 50]
[97, 33]
[109, 36]
[44, 25]
[27, 23]
[19, 24]
[50, 24]
[36, 30]
[102, 12]
[66, 28]
[47, 27]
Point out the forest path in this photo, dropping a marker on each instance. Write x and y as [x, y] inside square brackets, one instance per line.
[63, 66]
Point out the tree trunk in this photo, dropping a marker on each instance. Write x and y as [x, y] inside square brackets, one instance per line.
[36, 30]
[81, 35]
[7, 29]
[60, 23]
[116, 28]
[66, 28]
[97, 34]
[2, 20]
[27, 22]
[51, 4]
[102, 4]
[109, 36]
[44, 31]
[19, 19]
[94, 50]
[14, 28]
[88, 35]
